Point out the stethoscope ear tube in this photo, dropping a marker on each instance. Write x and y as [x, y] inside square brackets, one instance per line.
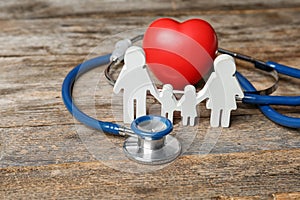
[250, 98]
[283, 69]
[267, 110]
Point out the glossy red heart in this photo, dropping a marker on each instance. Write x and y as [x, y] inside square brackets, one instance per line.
[180, 53]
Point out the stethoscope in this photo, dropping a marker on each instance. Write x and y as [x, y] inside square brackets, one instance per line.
[149, 141]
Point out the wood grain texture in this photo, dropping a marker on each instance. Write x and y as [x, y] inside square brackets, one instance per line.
[45, 153]
[211, 176]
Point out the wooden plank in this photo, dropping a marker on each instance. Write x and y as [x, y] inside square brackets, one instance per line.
[60, 143]
[292, 196]
[280, 196]
[116, 8]
[261, 174]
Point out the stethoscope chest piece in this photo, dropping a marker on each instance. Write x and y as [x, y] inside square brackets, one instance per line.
[152, 144]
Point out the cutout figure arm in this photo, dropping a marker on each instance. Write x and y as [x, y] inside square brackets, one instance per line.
[154, 92]
[181, 100]
[239, 91]
[204, 93]
[118, 86]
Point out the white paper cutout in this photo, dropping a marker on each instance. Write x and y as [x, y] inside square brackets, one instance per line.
[168, 102]
[221, 90]
[135, 81]
[188, 106]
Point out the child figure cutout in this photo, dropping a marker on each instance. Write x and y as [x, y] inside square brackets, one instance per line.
[188, 105]
[221, 90]
[168, 102]
[135, 81]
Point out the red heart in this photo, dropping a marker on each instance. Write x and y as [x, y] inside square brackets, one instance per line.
[180, 53]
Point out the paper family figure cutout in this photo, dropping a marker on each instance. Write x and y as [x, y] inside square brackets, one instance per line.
[188, 105]
[220, 91]
[135, 81]
[168, 102]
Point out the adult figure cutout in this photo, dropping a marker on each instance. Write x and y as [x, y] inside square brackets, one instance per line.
[221, 90]
[135, 81]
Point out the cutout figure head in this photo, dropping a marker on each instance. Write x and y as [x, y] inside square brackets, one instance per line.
[189, 90]
[224, 65]
[168, 89]
[134, 57]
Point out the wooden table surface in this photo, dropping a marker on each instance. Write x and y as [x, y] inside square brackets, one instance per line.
[45, 153]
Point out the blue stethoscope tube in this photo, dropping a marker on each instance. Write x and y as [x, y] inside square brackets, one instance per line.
[283, 69]
[263, 101]
[266, 99]
[107, 127]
